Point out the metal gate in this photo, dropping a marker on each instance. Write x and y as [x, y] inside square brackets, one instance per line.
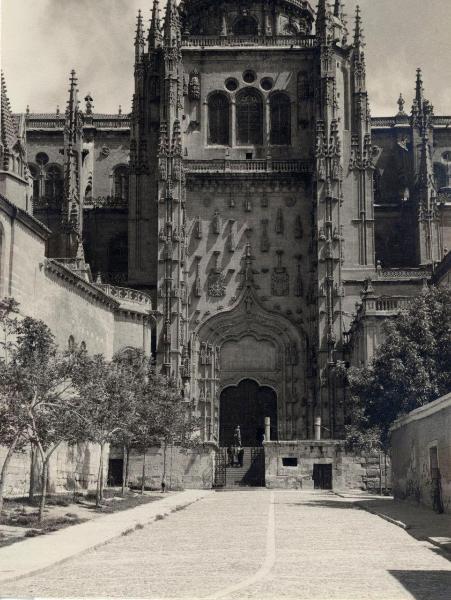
[220, 468]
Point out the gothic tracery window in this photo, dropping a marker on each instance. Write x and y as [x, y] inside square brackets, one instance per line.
[120, 191]
[280, 107]
[249, 118]
[54, 184]
[218, 119]
[245, 26]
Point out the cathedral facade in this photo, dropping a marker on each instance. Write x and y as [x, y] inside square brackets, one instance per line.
[250, 193]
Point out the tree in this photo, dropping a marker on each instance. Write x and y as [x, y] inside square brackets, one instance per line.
[12, 422]
[411, 368]
[40, 380]
[106, 401]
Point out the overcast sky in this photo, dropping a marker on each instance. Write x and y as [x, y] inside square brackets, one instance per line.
[43, 40]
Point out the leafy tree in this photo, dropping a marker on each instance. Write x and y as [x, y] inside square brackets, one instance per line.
[106, 401]
[12, 422]
[411, 368]
[41, 380]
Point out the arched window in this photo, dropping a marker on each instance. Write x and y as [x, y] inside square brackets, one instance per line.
[245, 26]
[218, 119]
[280, 119]
[54, 184]
[34, 172]
[121, 183]
[290, 29]
[249, 118]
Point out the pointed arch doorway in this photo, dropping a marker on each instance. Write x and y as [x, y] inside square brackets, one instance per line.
[247, 405]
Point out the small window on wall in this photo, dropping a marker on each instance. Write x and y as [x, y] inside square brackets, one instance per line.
[249, 118]
[245, 26]
[71, 343]
[218, 119]
[289, 461]
[121, 183]
[280, 120]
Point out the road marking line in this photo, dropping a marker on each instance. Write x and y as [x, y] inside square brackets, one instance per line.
[268, 563]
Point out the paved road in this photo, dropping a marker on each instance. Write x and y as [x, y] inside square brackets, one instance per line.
[255, 544]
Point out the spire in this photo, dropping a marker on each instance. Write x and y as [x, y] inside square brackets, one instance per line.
[358, 31]
[9, 134]
[154, 31]
[139, 38]
[171, 25]
[338, 9]
[321, 21]
[419, 89]
[72, 109]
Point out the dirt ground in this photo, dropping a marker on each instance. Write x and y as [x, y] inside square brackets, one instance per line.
[19, 518]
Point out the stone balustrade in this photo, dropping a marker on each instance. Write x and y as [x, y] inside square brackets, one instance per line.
[248, 166]
[385, 304]
[105, 202]
[403, 273]
[205, 41]
[125, 294]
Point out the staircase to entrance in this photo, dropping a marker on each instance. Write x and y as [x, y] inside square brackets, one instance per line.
[251, 474]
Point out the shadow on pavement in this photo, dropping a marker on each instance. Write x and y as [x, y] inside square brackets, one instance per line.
[425, 585]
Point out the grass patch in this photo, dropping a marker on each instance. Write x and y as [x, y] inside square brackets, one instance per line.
[139, 526]
[159, 517]
[127, 532]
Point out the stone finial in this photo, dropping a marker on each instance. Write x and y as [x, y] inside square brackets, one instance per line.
[89, 103]
[401, 104]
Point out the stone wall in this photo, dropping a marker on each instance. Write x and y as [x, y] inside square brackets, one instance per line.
[349, 470]
[185, 469]
[413, 439]
[71, 469]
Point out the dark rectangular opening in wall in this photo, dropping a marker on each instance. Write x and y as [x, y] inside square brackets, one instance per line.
[115, 472]
[322, 477]
[288, 461]
[249, 156]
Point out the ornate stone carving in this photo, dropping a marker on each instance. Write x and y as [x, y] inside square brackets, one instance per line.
[217, 223]
[280, 280]
[231, 237]
[216, 280]
[265, 244]
[279, 221]
[299, 289]
[198, 228]
[298, 228]
[197, 289]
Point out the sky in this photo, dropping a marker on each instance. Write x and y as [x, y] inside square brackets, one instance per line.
[42, 40]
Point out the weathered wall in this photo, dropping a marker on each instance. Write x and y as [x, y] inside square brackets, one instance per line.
[71, 469]
[349, 470]
[412, 438]
[191, 469]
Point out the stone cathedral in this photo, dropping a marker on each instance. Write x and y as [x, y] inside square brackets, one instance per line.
[250, 193]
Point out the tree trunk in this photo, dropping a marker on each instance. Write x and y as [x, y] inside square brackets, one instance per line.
[124, 468]
[4, 472]
[143, 482]
[45, 468]
[99, 490]
[164, 462]
[31, 489]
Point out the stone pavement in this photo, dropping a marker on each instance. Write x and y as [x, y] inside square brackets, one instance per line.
[422, 523]
[35, 554]
[259, 544]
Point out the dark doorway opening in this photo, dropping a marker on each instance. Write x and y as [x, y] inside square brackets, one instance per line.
[115, 471]
[322, 477]
[247, 405]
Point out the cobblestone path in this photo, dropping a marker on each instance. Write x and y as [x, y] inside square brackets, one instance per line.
[255, 544]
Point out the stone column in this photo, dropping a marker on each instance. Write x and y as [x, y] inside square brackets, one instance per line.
[317, 429]
[267, 429]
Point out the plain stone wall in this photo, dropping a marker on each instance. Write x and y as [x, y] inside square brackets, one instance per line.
[185, 469]
[349, 470]
[71, 469]
[411, 440]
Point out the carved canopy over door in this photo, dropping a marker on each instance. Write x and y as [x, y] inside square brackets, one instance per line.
[259, 344]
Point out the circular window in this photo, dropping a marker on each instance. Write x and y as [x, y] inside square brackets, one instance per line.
[249, 76]
[267, 83]
[231, 84]
[42, 158]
